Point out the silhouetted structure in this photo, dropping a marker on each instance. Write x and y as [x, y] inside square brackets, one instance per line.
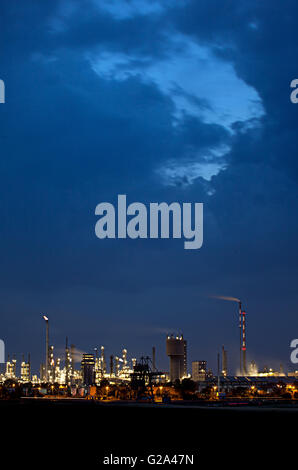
[88, 369]
[142, 376]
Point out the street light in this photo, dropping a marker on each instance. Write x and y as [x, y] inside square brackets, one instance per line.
[47, 346]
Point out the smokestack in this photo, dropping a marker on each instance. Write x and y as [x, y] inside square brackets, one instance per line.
[117, 366]
[224, 362]
[66, 361]
[153, 358]
[244, 342]
[103, 360]
[47, 348]
[124, 358]
[42, 372]
[242, 327]
[52, 365]
[111, 365]
[240, 332]
[72, 355]
[29, 365]
[218, 372]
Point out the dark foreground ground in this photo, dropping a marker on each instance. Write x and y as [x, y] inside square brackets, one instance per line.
[80, 434]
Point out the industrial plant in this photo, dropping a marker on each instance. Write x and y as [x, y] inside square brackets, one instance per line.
[121, 376]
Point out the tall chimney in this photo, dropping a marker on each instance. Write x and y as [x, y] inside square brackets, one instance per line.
[153, 358]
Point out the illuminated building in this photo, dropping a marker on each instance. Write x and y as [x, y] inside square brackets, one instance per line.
[271, 373]
[253, 370]
[176, 348]
[124, 358]
[224, 362]
[117, 367]
[293, 374]
[72, 355]
[97, 367]
[10, 372]
[68, 365]
[103, 361]
[25, 370]
[199, 369]
[59, 375]
[51, 370]
[88, 369]
[42, 373]
[266, 372]
[125, 371]
[100, 367]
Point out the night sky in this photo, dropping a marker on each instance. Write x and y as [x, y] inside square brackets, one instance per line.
[166, 100]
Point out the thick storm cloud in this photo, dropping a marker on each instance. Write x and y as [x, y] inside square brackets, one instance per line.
[162, 102]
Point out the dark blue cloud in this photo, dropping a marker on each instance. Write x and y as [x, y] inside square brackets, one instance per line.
[91, 113]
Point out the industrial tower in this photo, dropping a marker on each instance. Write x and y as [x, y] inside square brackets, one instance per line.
[176, 348]
[242, 330]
